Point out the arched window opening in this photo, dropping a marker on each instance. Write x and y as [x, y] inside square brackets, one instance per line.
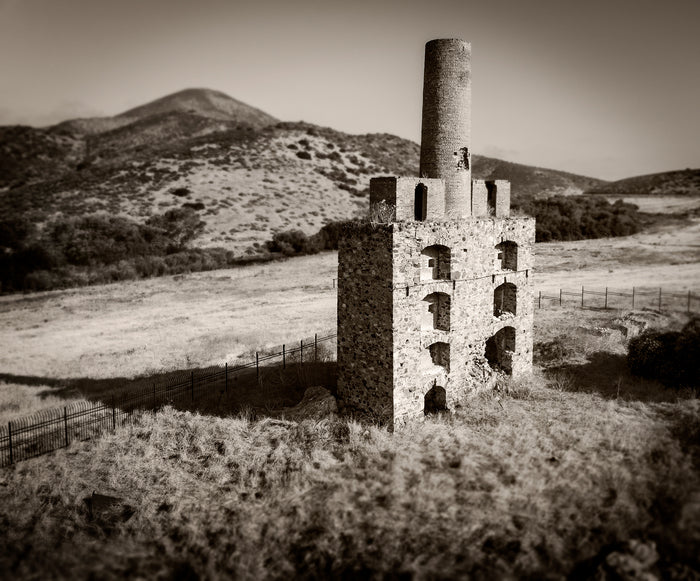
[507, 255]
[437, 315]
[491, 190]
[500, 349]
[504, 299]
[440, 355]
[435, 263]
[435, 400]
[420, 205]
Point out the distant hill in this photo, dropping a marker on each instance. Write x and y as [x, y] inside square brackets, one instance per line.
[247, 174]
[203, 103]
[29, 154]
[671, 183]
[528, 182]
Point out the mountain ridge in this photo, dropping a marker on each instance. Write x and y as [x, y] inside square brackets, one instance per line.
[685, 182]
[206, 103]
[246, 173]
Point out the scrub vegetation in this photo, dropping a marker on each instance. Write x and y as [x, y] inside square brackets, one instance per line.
[101, 248]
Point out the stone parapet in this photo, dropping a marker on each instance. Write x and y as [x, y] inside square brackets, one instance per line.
[411, 198]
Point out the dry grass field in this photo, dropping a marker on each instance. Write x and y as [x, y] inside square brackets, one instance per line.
[544, 479]
[583, 471]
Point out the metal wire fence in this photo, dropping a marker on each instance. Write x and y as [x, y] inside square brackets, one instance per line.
[51, 429]
[614, 298]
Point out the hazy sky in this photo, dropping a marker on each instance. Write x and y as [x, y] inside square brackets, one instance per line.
[606, 88]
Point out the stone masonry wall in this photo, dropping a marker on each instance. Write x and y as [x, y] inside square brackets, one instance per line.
[365, 347]
[474, 275]
[399, 192]
[485, 204]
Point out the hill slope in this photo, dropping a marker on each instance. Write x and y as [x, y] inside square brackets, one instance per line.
[670, 183]
[248, 175]
[199, 102]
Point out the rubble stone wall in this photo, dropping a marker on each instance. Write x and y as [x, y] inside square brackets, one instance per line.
[400, 193]
[365, 347]
[475, 275]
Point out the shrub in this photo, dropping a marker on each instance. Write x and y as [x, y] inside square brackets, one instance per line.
[179, 226]
[303, 154]
[14, 233]
[576, 218]
[671, 357]
[38, 280]
[289, 242]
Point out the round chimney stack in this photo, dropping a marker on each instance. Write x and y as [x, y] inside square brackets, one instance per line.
[446, 125]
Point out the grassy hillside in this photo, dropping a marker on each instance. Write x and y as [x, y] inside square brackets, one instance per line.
[670, 183]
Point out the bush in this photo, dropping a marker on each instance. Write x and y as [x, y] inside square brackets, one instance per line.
[671, 357]
[580, 217]
[98, 239]
[38, 281]
[101, 248]
[303, 155]
[179, 226]
[295, 242]
[289, 243]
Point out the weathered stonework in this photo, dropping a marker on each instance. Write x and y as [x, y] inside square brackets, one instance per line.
[401, 193]
[385, 359]
[438, 293]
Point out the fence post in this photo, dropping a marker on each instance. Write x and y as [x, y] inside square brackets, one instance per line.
[315, 347]
[65, 423]
[301, 352]
[606, 297]
[539, 300]
[9, 431]
[560, 297]
[284, 358]
[659, 299]
[581, 296]
[192, 384]
[257, 366]
[114, 415]
[226, 376]
[632, 297]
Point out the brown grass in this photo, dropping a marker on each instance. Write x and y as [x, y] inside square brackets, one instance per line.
[524, 486]
[541, 478]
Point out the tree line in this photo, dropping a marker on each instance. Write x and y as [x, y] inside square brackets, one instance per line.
[101, 248]
[557, 218]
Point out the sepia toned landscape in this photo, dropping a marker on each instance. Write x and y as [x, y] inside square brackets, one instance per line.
[234, 345]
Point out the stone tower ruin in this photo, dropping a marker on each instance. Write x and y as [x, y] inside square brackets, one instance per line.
[435, 291]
